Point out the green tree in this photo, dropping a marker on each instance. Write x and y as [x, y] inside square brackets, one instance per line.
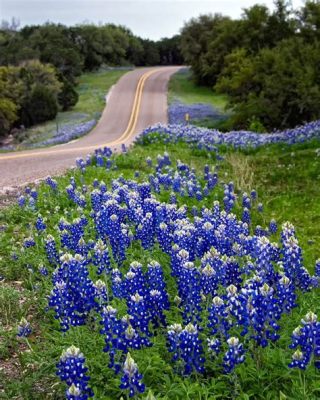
[68, 96]
[309, 21]
[151, 54]
[280, 87]
[41, 105]
[169, 51]
[8, 115]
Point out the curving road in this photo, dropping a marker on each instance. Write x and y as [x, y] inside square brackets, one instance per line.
[138, 100]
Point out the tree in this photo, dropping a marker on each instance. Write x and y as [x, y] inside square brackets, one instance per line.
[8, 115]
[68, 96]
[309, 21]
[204, 43]
[169, 51]
[41, 105]
[279, 86]
[151, 54]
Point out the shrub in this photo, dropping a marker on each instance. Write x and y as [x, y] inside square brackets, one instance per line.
[68, 97]
[8, 115]
[42, 105]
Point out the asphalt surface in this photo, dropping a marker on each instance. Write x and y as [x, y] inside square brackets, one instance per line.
[138, 100]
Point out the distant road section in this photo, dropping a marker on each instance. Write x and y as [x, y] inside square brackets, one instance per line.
[138, 100]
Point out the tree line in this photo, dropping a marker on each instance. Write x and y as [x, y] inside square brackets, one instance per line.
[267, 62]
[40, 64]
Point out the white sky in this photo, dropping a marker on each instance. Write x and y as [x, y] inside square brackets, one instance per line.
[152, 19]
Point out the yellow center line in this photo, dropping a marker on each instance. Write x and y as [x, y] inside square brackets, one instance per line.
[124, 136]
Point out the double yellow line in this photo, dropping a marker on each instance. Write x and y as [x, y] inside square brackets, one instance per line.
[135, 110]
[124, 136]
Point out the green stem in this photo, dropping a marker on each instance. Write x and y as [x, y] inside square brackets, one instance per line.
[29, 345]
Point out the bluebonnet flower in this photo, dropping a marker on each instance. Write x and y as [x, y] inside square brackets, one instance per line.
[286, 294]
[307, 337]
[214, 346]
[218, 320]
[292, 259]
[234, 355]
[135, 281]
[164, 237]
[43, 270]
[73, 295]
[116, 284]
[32, 203]
[198, 111]
[208, 280]
[273, 227]
[253, 194]
[260, 207]
[24, 328]
[137, 309]
[71, 369]
[264, 257]
[131, 378]
[66, 133]
[157, 304]
[75, 393]
[208, 139]
[101, 294]
[120, 337]
[190, 292]
[40, 224]
[29, 242]
[101, 257]
[51, 250]
[186, 346]
[21, 201]
[246, 201]
[246, 217]
[34, 194]
[146, 230]
[264, 312]
[173, 340]
[156, 281]
[52, 183]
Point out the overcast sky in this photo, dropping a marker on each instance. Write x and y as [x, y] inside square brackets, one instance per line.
[146, 18]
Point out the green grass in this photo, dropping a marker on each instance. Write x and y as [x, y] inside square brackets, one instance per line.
[92, 89]
[183, 88]
[287, 179]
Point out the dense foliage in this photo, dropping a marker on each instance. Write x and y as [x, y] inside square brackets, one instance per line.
[28, 94]
[266, 62]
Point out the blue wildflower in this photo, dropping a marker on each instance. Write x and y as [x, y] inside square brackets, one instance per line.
[24, 328]
[131, 378]
[307, 338]
[71, 370]
[234, 355]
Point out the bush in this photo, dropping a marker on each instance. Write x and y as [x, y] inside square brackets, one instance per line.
[8, 115]
[68, 97]
[42, 105]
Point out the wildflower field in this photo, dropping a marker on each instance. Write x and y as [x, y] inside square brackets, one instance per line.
[183, 268]
[204, 107]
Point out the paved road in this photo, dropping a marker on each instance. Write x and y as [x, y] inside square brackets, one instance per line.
[138, 100]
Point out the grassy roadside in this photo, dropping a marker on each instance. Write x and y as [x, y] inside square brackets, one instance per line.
[92, 89]
[183, 88]
[287, 179]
